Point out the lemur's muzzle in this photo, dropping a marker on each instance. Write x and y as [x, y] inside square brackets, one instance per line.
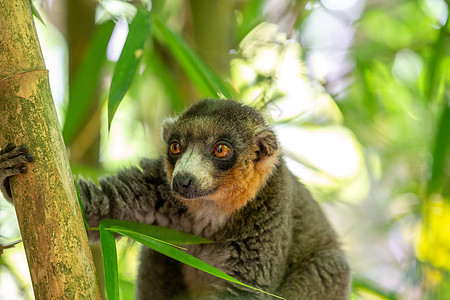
[184, 184]
[187, 187]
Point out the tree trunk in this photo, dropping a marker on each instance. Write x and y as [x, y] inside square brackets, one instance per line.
[45, 200]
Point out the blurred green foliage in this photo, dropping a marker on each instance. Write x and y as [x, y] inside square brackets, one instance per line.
[369, 78]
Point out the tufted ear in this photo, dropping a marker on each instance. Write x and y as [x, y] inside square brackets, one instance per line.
[165, 128]
[267, 143]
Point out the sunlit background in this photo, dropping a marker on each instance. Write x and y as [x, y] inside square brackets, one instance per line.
[358, 92]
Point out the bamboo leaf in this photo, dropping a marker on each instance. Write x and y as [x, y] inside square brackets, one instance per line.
[85, 81]
[127, 289]
[109, 254]
[128, 61]
[208, 83]
[161, 233]
[436, 57]
[440, 150]
[35, 12]
[360, 283]
[181, 256]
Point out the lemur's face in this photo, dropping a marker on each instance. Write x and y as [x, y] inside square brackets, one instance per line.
[198, 164]
[218, 151]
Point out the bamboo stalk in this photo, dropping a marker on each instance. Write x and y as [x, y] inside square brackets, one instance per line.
[45, 200]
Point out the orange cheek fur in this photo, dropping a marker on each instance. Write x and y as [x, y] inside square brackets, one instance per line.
[243, 183]
[236, 188]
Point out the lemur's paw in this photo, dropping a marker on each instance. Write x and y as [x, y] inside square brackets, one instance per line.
[13, 160]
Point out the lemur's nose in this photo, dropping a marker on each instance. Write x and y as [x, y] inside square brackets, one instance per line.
[183, 184]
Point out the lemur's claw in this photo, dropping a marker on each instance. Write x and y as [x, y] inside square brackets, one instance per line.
[8, 148]
[22, 169]
[29, 157]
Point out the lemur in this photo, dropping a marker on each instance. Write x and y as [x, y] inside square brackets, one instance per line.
[224, 178]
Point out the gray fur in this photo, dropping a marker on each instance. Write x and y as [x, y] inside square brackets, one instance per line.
[279, 241]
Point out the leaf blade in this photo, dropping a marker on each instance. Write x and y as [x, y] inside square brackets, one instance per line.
[85, 82]
[128, 62]
[183, 257]
[440, 151]
[206, 81]
[164, 234]
[110, 265]
[433, 69]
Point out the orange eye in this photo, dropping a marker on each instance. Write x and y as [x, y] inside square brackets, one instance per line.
[222, 151]
[175, 148]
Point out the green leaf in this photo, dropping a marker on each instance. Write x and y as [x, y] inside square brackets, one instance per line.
[181, 256]
[207, 82]
[128, 61]
[85, 82]
[109, 254]
[127, 289]
[437, 56]
[361, 283]
[161, 233]
[440, 150]
[35, 12]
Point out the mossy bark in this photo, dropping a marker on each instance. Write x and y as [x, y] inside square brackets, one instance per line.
[45, 200]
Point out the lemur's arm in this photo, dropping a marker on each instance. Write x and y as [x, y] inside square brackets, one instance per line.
[132, 195]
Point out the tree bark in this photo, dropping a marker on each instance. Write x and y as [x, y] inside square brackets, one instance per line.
[45, 200]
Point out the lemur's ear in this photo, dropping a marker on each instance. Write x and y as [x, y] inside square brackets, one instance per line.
[267, 143]
[167, 123]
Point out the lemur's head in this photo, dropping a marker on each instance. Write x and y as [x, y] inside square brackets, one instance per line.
[219, 151]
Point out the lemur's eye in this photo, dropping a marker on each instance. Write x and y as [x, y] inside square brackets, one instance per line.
[175, 148]
[222, 150]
